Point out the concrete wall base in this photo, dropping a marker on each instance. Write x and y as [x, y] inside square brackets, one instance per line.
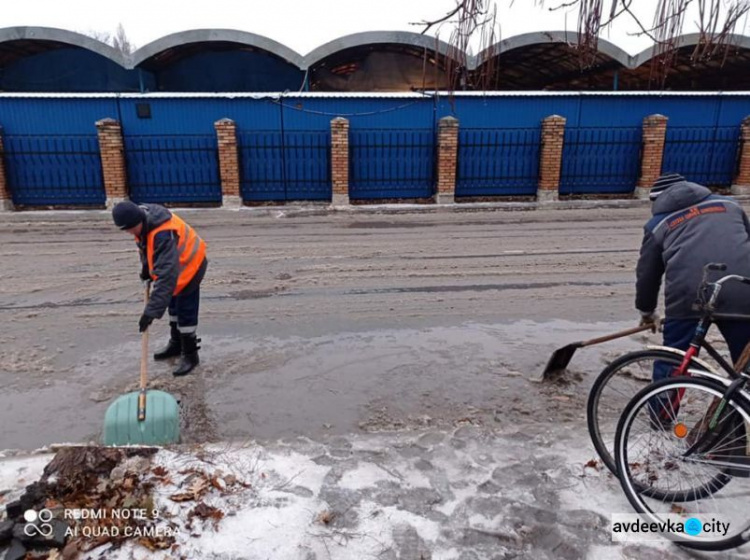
[6, 205]
[231, 201]
[642, 193]
[740, 190]
[111, 201]
[340, 199]
[445, 198]
[547, 196]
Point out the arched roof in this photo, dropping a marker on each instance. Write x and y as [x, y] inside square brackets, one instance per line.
[405, 38]
[544, 37]
[71, 38]
[216, 35]
[688, 40]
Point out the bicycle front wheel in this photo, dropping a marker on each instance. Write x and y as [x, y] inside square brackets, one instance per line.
[613, 389]
[675, 438]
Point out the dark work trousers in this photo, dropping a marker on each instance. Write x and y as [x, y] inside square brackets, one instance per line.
[679, 332]
[183, 308]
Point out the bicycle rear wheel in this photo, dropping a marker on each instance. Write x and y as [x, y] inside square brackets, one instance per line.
[659, 459]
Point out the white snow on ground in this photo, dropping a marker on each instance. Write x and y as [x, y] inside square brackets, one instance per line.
[17, 472]
[468, 493]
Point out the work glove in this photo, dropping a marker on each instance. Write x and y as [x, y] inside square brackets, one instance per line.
[144, 322]
[145, 278]
[651, 319]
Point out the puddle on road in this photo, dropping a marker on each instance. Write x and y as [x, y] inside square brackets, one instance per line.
[367, 381]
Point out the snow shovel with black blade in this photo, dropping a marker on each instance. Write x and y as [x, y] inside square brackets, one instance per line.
[561, 357]
[142, 417]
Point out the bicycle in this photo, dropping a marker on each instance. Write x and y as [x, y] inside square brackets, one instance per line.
[625, 376]
[699, 445]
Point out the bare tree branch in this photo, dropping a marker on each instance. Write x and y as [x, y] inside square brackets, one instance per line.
[475, 20]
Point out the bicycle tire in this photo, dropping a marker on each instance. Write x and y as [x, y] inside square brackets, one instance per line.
[633, 490]
[593, 414]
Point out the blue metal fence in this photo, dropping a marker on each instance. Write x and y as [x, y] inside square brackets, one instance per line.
[600, 160]
[54, 170]
[706, 155]
[168, 169]
[498, 161]
[391, 163]
[289, 165]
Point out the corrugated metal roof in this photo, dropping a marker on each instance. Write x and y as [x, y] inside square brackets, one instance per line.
[369, 95]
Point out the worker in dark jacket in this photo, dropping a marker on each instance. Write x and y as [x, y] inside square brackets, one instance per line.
[174, 258]
[690, 228]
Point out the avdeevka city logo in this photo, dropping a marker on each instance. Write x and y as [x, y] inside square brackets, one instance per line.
[693, 527]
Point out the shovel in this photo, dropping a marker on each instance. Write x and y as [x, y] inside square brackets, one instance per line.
[561, 357]
[142, 417]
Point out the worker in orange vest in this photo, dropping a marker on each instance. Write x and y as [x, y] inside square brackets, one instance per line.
[173, 257]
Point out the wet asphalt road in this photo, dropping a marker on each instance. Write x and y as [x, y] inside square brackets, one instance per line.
[315, 325]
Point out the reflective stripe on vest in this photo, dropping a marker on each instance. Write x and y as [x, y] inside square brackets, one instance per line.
[191, 250]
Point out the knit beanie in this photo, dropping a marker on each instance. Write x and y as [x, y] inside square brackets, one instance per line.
[127, 214]
[663, 183]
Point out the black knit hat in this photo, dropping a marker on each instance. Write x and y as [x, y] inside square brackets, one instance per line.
[663, 183]
[127, 214]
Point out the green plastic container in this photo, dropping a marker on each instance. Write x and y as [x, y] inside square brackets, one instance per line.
[160, 427]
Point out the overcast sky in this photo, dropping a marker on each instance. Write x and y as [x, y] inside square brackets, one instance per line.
[301, 25]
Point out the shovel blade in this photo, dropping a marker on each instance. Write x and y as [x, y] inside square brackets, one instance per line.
[161, 426]
[560, 359]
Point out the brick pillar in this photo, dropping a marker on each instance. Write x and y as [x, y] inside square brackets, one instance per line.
[741, 183]
[229, 162]
[654, 132]
[447, 159]
[340, 161]
[553, 131]
[112, 152]
[6, 201]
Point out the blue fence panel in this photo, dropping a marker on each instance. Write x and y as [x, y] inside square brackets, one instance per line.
[54, 170]
[600, 160]
[391, 163]
[307, 165]
[293, 165]
[166, 169]
[498, 161]
[706, 155]
[262, 165]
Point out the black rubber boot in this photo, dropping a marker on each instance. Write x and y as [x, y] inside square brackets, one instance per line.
[189, 358]
[173, 347]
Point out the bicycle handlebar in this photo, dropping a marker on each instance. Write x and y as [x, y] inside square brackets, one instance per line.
[720, 267]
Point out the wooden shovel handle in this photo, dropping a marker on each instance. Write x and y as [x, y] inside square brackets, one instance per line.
[620, 334]
[144, 368]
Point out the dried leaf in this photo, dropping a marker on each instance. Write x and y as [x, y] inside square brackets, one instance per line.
[182, 497]
[678, 509]
[325, 517]
[198, 486]
[592, 464]
[160, 471]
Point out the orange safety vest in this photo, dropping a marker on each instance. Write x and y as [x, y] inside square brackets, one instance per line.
[190, 248]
